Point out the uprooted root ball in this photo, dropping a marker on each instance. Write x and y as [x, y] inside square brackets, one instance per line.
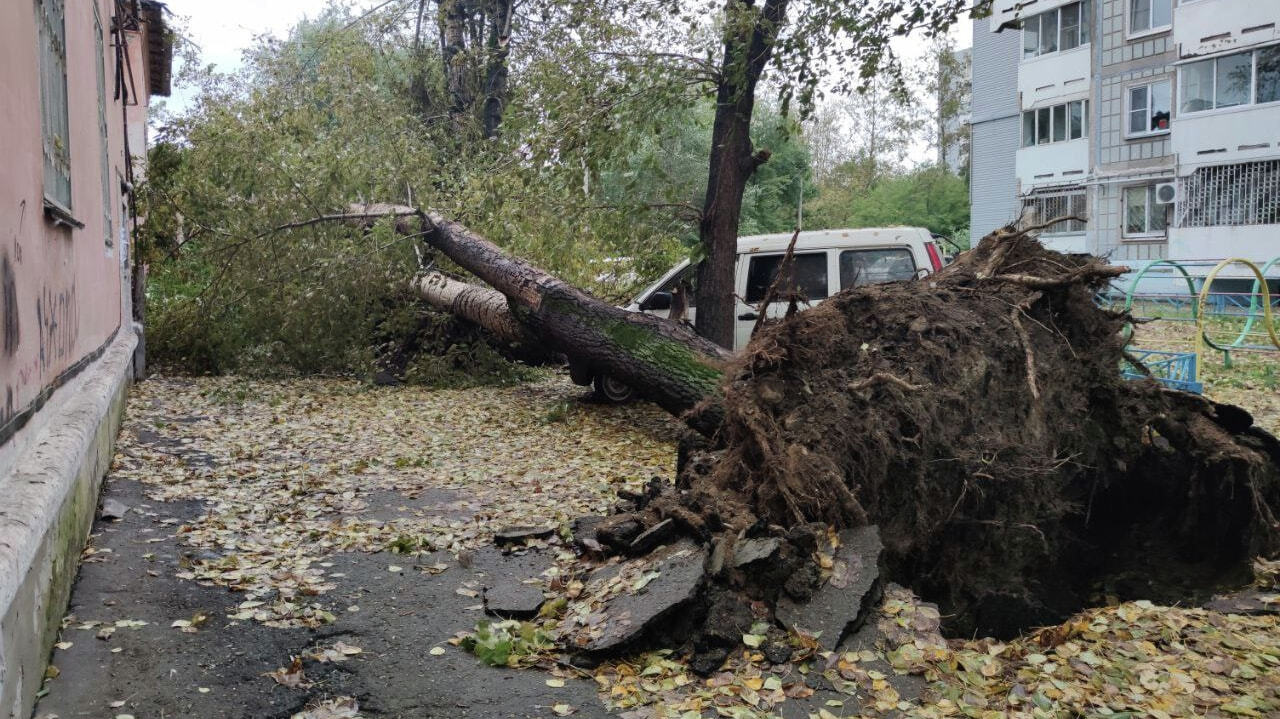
[979, 418]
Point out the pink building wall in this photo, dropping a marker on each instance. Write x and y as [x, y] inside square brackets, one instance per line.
[63, 290]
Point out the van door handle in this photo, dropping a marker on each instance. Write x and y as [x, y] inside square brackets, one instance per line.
[747, 316]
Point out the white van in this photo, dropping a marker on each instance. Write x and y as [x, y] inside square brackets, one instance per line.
[826, 261]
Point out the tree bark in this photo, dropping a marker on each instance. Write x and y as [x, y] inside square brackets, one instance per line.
[453, 20]
[479, 305]
[495, 75]
[733, 161]
[664, 361]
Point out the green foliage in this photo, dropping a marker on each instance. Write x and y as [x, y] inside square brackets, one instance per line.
[507, 643]
[669, 168]
[347, 111]
[598, 175]
[926, 197]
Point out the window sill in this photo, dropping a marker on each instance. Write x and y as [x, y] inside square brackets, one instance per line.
[1055, 53]
[1148, 237]
[1146, 135]
[1229, 109]
[1144, 34]
[60, 216]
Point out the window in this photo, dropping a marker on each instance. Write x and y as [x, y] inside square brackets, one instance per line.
[688, 278]
[1145, 15]
[1059, 203]
[1231, 80]
[1048, 32]
[1242, 194]
[1143, 216]
[1149, 108]
[808, 270]
[1062, 28]
[50, 19]
[1059, 123]
[866, 267]
[1267, 82]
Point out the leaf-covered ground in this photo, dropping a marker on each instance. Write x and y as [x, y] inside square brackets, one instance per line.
[290, 471]
[327, 531]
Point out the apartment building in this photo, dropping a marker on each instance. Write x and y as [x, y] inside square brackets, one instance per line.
[75, 83]
[1157, 121]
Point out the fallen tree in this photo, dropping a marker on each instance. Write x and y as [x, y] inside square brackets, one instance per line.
[978, 418]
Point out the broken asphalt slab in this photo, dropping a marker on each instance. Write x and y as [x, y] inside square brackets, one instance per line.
[842, 603]
[639, 595]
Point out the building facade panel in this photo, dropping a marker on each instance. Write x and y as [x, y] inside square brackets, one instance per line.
[1206, 27]
[995, 129]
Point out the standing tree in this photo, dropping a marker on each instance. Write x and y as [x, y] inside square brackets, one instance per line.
[475, 38]
[806, 42]
[945, 78]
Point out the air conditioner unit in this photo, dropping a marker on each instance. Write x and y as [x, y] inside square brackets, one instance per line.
[1167, 193]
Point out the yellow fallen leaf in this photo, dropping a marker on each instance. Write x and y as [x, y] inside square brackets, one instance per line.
[436, 651]
[555, 683]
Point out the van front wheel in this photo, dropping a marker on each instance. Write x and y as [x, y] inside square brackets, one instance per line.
[612, 390]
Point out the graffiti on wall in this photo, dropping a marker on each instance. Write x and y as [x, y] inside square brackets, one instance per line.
[12, 326]
[30, 353]
[58, 321]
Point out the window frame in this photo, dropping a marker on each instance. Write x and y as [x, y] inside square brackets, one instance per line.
[1257, 52]
[1131, 33]
[750, 298]
[1083, 30]
[53, 69]
[1128, 108]
[1052, 111]
[1149, 189]
[1254, 54]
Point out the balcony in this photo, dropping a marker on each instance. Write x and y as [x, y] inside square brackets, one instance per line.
[1005, 12]
[1054, 77]
[1237, 134]
[1052, 164]
[1204, 27]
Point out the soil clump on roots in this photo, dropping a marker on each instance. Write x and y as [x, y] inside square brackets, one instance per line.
[979, 419]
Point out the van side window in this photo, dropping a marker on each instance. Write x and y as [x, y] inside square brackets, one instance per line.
[866, 267]
[809, 276]
[689, 278]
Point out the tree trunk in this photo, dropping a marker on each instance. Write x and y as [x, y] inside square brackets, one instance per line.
[733, 161]
[664, 361]
[495, 75]
[479, 305]
[453, 19]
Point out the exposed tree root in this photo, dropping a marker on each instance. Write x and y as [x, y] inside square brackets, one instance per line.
[1014, 475]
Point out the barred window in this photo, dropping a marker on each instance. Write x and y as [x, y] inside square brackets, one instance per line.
[51, 21]
[1243, 194]
[1049, 205]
